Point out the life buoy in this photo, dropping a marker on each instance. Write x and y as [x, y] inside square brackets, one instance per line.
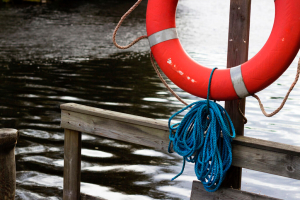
[228, 84]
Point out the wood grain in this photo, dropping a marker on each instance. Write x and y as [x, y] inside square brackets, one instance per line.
[267, 145]
[133, 132]
[117, 116]
[198, 192]
[281, 164]
[8, 140]
[260, 155]
[238, 45]
[72, 165]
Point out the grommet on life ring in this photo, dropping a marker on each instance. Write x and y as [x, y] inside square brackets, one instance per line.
[228, 84]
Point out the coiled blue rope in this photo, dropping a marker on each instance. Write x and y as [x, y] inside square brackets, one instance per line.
[204, 137]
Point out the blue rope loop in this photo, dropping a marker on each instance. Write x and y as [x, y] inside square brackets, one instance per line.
[203, 140]
[208, 88]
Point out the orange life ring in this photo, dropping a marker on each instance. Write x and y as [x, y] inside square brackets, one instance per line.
[228, 84]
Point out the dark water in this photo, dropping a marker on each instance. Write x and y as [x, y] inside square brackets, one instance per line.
[62, 52]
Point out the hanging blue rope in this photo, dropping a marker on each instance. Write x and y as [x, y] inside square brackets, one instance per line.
[204, 137]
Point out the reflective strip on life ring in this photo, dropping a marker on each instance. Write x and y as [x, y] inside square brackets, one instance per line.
[227, 84]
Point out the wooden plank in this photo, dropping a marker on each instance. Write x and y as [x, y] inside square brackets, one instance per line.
[281, 164]
[198, 192]
[8, 140]
[267, 145]
[119, 130]
[265, 156]
[260, 155]
[72, 165]
[114, 115]
[238, 45]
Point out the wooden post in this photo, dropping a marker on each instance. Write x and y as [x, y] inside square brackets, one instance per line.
[72, 165]
[8, 140]
[238, 44]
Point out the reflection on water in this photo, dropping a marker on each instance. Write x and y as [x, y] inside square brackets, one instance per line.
[62, 52]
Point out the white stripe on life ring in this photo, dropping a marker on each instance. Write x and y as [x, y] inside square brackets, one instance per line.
[161, 36]
[238, 81]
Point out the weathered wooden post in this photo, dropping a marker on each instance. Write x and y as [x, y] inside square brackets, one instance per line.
[238, 44]
[8, 140]
[72, 165]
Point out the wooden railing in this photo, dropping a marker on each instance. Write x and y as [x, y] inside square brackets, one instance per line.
[255, 154]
